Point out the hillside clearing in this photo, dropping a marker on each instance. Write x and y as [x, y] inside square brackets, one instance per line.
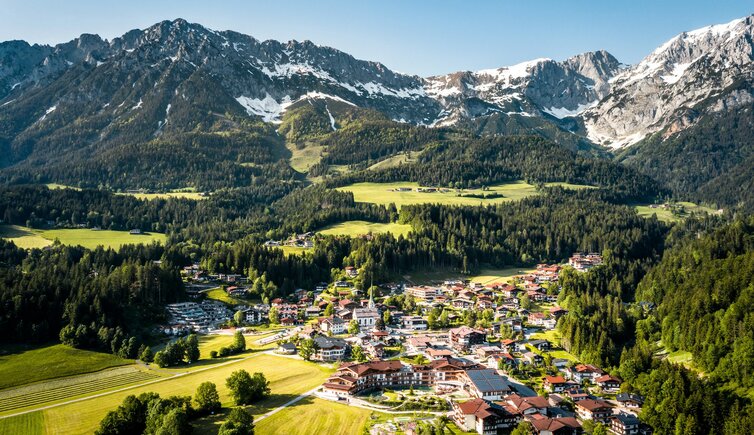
[28, 238]
[358, 228]
[385, 193]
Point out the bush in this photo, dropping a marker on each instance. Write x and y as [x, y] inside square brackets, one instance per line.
[213, 354]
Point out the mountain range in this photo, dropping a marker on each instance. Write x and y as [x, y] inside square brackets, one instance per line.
[176, 80]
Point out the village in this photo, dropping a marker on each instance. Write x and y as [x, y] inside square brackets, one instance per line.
[486, 356]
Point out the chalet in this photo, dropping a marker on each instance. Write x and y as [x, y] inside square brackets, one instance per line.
[554, 384]
[329, 349]
[558, 312]
[582, 372]
[135, 231]
[463, 338]
[286, 349]
[509, 345]
[449, 369]
[423, 293]
[629, 400]
[462, 303]
[351, 272]
[288, 321]
[540, 345]
[514, 323]
[528, 405]
[418, 344]
[333, 325]
[560, 363]
[585, 262]
[597, 410]
[533, 358]
[486, 384]
[254, 316]
[375, 348]
[576, 394]
[434, 353]
[544, 425]
[483, 417]
[624, 424]
[487, 351]
[347, 304]
[608, 383]
[501, 360]
[484, 302]
[414, 323]
[509, 290]
[312, 311]
[236, 291]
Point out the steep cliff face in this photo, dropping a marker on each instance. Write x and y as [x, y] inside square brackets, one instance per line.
[696, 73]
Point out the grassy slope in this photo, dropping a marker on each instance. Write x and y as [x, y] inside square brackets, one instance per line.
[317, 416]
[23, 237]
[150, 196]
[287, 377]
[29, 238]
[381, 193]
[51, 362]
[357, 228]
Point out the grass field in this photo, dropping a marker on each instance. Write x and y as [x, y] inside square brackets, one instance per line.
[315, 416]
[288, 378]
[293, 250]
[166, 195]
[55, 186]
[358, 228]
[27, 366]
[382, 193]
[396, 160]
[24, 238]
[304, 158]
[553, 337]
[28, 238]
[32, 423]
[667, 215]
[219, 294]
[484, 276]
[570, 186]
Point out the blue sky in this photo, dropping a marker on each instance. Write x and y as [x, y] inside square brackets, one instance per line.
[418, 37]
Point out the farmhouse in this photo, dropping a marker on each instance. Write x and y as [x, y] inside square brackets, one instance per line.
[333, 325]
[554, 426]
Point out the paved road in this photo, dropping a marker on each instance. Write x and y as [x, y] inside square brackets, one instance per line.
[285, 405]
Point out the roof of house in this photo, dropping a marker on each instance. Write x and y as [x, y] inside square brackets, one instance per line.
[465, 330]
[524, 403]
[555, 379]
[487, 380]
[592, 405]
[482, 409]
[542, 423]
[626, 419]
[607, 378]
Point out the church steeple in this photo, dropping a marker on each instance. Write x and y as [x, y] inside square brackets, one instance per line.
[371, 294]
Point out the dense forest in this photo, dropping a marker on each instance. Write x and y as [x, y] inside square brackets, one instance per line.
[99, 299]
